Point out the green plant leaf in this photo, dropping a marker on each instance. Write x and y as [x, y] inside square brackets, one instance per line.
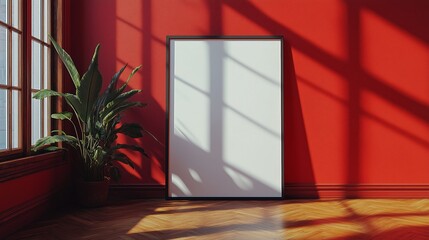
[133, 130]
[62, 115]
[90, 86]
[109, 90]
[121, 89]
[99, 154]
[68, 63]
[44, 93]
[115, 78]
[59, 131]
[122, 97]
[42, 142]
[117, 92]
[117, 101]
[52, 148]
[112, 114]
[75, 103]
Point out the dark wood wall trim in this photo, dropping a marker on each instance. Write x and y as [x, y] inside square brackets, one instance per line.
[14, 218]
[27, 165]
[329, 191]
[146, 191]
[297, 191]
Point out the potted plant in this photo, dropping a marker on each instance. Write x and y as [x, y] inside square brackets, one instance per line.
[95, 119]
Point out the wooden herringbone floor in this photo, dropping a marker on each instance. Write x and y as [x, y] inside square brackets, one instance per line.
[158, 219]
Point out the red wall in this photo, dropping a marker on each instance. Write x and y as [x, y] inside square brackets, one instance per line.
[21, 190]
[26, 198]
[356, 77]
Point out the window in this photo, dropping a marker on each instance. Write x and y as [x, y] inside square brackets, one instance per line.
[40, 68]
[25, 68]
[10, 74]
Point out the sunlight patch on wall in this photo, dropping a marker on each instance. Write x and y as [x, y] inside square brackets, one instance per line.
[128, 38]
[324, 98]
[315, 73]
[404, 120]
[394, 138]
[324, 30]
[395, 56]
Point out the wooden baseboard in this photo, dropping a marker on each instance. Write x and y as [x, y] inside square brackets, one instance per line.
[15, 218]
[137, 191]
[298, 191]
[326, 191]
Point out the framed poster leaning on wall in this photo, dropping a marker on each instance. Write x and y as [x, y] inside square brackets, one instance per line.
[224, 117]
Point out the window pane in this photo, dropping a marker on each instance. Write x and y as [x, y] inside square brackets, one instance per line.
[46, 20]
[35, 119]
[15, 58]
[35, 65]
[46, 75]
[46, 85]
[3, 10]
[36, 12]
[3, 55]
[16, 106]
[3, 119]
[46, 117]
[15, 13]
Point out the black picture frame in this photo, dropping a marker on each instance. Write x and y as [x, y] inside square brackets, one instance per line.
[169, 38]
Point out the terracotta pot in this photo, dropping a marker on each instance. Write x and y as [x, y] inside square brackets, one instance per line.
[92, 194]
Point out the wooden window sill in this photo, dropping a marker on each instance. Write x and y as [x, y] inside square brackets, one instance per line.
[20, 167]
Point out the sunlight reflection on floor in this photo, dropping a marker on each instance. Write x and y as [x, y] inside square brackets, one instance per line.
[334, 220]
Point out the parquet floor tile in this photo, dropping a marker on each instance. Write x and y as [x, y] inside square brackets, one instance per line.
[379, 219]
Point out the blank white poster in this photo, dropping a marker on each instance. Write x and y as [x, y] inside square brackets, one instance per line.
[225, 118]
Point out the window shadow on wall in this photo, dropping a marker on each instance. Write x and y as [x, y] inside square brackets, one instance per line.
[407, 17]
[298, 167]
